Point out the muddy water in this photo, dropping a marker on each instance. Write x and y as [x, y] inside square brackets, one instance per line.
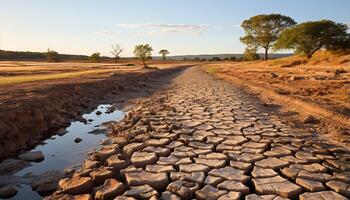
[62, 152]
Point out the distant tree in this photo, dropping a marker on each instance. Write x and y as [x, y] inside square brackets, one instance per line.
[95, 57]
[233, 58]
[216, 59]
[250, 54]
[144, 52]
[164, 52]
[117, 50]
[263, 30]
[309, 37]
[52, 56]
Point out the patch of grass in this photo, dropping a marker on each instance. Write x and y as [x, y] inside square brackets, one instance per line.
[211, 70]
[29, 78]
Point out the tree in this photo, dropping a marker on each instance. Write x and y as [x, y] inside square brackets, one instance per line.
[309, 37]
[117, 50]
[250, 54]
[164, 52]
[263, 30]
[144, 52]
[52, 56]
[95, 57]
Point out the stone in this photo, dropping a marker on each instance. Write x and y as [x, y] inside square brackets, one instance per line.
[310, 119]
[322, 195]
[200, 145]
[278, 152]
[130, 148]
[308, 157]
[158, 142]
[241, 165]
[183, 189]
[246, 157]
[272, 162]
[197, 177]
[104, 153]
[230, 173]
[310, 185]
[214, 156]
[158, 181]
[339, 187]
[193, 168]
[160, 168]
[7, 192]
[259, 172]
[169, 196]
[142, 192]
[32, 156]
[209, 192]
[117, 162]
[276, 185]
[234, 186]
[47, 182]
[170, 160]
[109, 190]
[160, 151]
[11, 165]
[76, 185]
[124, 198]
[99, 176]
[264, 197]
[231, 196]
[91, 164]
[213, 180]
[212, 163]
[70, 197]
[77, 140]
[141, 159]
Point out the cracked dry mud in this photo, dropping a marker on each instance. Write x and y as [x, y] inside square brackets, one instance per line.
[201, 138]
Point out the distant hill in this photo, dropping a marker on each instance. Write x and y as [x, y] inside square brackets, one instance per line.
[28, 55]
[221, 56]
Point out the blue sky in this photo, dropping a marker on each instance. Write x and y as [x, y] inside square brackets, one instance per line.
[181, 26]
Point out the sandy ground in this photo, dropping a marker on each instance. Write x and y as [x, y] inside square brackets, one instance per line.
[319, 87]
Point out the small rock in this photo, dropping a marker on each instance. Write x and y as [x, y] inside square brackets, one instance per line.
[32, 156]
[77, 140]
[273, 75]
[209, 193]
[76, 185]
[8, 192]
[309, 119]
[141, 192]
[98, 112]
[109, 190]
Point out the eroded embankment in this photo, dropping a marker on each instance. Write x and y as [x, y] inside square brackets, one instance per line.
[37, 118]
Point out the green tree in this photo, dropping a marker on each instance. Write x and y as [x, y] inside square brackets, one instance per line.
[309, 37]
[95, 57]
[144, 52]
[117, 50]
[52, 56]
[164, 52]
[263, 30]
[250, 54]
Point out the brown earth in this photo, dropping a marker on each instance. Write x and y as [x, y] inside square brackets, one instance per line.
[33, 110]
[313, 94]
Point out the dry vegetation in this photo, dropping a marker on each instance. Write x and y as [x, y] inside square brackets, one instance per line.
[318, 87]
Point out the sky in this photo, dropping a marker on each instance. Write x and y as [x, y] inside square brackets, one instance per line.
[181, 26]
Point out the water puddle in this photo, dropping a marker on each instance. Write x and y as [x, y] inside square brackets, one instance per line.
[63, 152]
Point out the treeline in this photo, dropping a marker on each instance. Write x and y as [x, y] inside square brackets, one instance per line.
[276, 32]
[27, 55]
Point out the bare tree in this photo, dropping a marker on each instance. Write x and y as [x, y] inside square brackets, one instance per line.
[117, 50]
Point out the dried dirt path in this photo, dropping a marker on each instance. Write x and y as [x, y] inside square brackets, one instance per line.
[202, 139]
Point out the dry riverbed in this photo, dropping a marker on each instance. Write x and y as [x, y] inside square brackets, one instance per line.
[202, 138]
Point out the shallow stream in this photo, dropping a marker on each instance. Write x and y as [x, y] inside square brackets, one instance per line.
[63, 152]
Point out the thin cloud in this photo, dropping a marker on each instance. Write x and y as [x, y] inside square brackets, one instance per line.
[104, 33]
[153, 28]
[236, 26]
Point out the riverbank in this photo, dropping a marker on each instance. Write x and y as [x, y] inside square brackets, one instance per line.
[33, 111]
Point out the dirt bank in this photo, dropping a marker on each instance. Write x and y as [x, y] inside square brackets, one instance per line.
[33, 111]
[312, 93]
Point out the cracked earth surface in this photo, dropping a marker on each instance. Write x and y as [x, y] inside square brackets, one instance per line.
[201, 138]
